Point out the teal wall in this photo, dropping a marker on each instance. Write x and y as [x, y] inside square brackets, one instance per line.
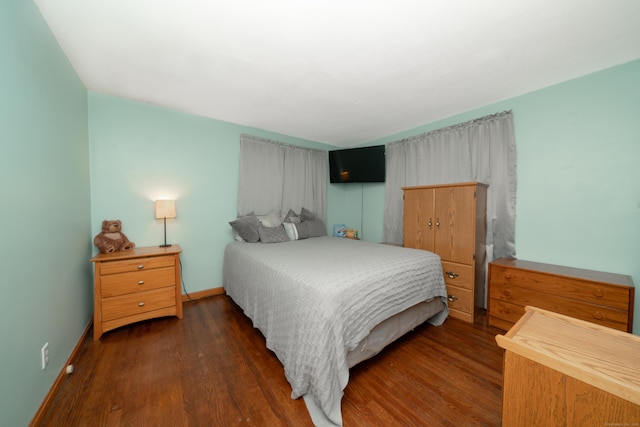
[578, 148]
[44, 203]
[357, 206]
[140, 153]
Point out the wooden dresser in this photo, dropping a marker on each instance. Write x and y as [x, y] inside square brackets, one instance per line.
[135, 285]
[561, 371]
[603, 298]
[450, 220]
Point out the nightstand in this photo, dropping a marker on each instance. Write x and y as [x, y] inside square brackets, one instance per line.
[135, 285]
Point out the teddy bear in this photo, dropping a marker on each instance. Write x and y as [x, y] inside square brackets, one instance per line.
[111, 238]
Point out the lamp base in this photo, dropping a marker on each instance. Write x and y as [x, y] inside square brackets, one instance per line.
[165, 245]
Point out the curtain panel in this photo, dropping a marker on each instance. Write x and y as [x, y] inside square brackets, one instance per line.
[480, 150]
[277, 177]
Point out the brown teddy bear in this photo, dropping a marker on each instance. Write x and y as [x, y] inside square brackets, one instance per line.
[111, 239]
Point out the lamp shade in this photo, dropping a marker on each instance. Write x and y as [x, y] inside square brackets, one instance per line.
[165, 209]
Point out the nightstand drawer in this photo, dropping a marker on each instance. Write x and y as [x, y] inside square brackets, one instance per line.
[138, 281]
[138, 264]
[132, 304]
[568, 287]
[459, 275]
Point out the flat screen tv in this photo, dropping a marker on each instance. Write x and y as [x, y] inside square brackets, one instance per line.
[365, 164]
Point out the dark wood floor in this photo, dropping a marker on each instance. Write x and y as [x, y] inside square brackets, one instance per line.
[212, 369]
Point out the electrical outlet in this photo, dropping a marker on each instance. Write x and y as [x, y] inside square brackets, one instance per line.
[45, 355]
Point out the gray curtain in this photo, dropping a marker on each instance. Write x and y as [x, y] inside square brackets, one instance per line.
[278, 177]
[480, 150]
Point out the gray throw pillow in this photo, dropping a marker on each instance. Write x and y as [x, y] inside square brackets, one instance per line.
[292, 217]
[247, 227]
[307, 215]
[303, 230]
[272, 234]
[316, 228]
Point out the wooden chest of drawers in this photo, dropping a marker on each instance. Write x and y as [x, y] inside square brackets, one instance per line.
[603, 298]
[135, 285]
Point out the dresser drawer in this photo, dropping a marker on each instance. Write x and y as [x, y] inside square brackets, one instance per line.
[141, 302]
[459, 275]
[574, 288]
[138, 264]
[505, 311]
[137, 281]
[460, 301]
[579, 309]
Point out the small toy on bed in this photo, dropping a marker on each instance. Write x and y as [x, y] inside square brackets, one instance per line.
[111, 238]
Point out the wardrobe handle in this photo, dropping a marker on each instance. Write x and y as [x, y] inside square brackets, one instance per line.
[430, 223]
[438, 223]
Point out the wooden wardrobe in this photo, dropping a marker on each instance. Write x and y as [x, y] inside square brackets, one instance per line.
[450, 220]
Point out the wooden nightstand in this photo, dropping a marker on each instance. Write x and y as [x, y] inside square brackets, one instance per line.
[135, 285]
[559, 370]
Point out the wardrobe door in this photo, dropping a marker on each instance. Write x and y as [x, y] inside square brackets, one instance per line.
[454, 223]
[418, 219]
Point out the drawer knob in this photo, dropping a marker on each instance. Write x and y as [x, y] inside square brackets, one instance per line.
[141, 282]
[505, 310]
[508, 275]
[140, 266]
[506, 293]
[141, 304]
[598, 315]
[598, 293]
[452, 298]
[451, 274]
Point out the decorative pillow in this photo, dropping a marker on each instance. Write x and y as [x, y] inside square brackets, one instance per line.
[291, 230]
[272, 234]
[316, 228]
[247, 227]
[303, 230]
[307, 215]
[292, 217]
[271, 220]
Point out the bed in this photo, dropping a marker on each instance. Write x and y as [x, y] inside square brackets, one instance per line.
[326, 303]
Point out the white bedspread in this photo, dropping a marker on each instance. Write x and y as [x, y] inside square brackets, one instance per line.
[314, 300]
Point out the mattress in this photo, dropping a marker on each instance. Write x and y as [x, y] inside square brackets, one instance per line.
[316, 300]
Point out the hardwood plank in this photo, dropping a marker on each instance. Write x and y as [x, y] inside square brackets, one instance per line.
[213, 368]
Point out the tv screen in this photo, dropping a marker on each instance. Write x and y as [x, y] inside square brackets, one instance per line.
[365, 164]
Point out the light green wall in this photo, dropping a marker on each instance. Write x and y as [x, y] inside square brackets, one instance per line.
[45, 220]
[140, 153]
[357, 206]
[578, 198]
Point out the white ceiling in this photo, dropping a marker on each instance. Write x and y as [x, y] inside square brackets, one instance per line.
[342, 72]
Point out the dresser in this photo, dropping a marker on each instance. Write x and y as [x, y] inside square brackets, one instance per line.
[603, 298]
[450, 220]
[135, 285]
[562, 371]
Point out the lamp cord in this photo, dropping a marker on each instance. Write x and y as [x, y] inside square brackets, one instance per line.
[183, 285]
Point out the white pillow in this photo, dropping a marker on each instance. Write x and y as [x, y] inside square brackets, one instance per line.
[291, 230]
[271, 220]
